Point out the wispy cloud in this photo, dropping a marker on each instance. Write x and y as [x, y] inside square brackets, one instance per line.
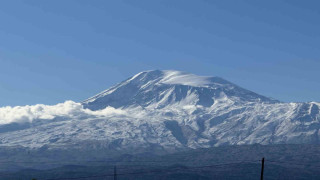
[68, 109]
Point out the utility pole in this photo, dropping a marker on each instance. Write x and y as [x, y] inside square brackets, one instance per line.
[262, 168]
[115, 173]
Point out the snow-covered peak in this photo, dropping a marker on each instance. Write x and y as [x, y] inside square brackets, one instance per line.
[174, 77]
[178, 77]
[159, 89]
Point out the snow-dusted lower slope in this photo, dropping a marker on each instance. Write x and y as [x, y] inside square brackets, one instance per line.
[163, 109]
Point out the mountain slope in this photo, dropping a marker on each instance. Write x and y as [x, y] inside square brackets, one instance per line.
[168, 111]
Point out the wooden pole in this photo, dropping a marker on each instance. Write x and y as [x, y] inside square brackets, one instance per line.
[115, 173]
[262, 168]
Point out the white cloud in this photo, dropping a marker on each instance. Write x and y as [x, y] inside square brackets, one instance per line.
[68, 109]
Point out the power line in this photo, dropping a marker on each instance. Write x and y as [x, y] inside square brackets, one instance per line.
[101, 161]
[155, 171]
[181, 168]
[291, 163]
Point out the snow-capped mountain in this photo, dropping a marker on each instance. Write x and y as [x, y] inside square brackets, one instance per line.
[158, 89]
[165, 110]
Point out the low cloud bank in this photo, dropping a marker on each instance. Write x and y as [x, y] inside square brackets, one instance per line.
[68, 109]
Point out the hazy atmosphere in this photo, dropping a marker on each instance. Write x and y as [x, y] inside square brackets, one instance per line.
[52, 51]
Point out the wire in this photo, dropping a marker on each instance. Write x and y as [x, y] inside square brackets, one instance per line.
[290, 163]
[100, 161]
[164, 170]
[111, 161]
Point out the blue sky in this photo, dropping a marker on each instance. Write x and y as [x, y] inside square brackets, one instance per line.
[52, 51]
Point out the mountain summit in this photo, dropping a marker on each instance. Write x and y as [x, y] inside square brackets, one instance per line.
[160, 88]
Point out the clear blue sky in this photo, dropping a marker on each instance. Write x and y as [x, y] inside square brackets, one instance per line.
[57, 50]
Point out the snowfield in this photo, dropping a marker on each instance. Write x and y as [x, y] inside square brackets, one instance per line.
[166, 109]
